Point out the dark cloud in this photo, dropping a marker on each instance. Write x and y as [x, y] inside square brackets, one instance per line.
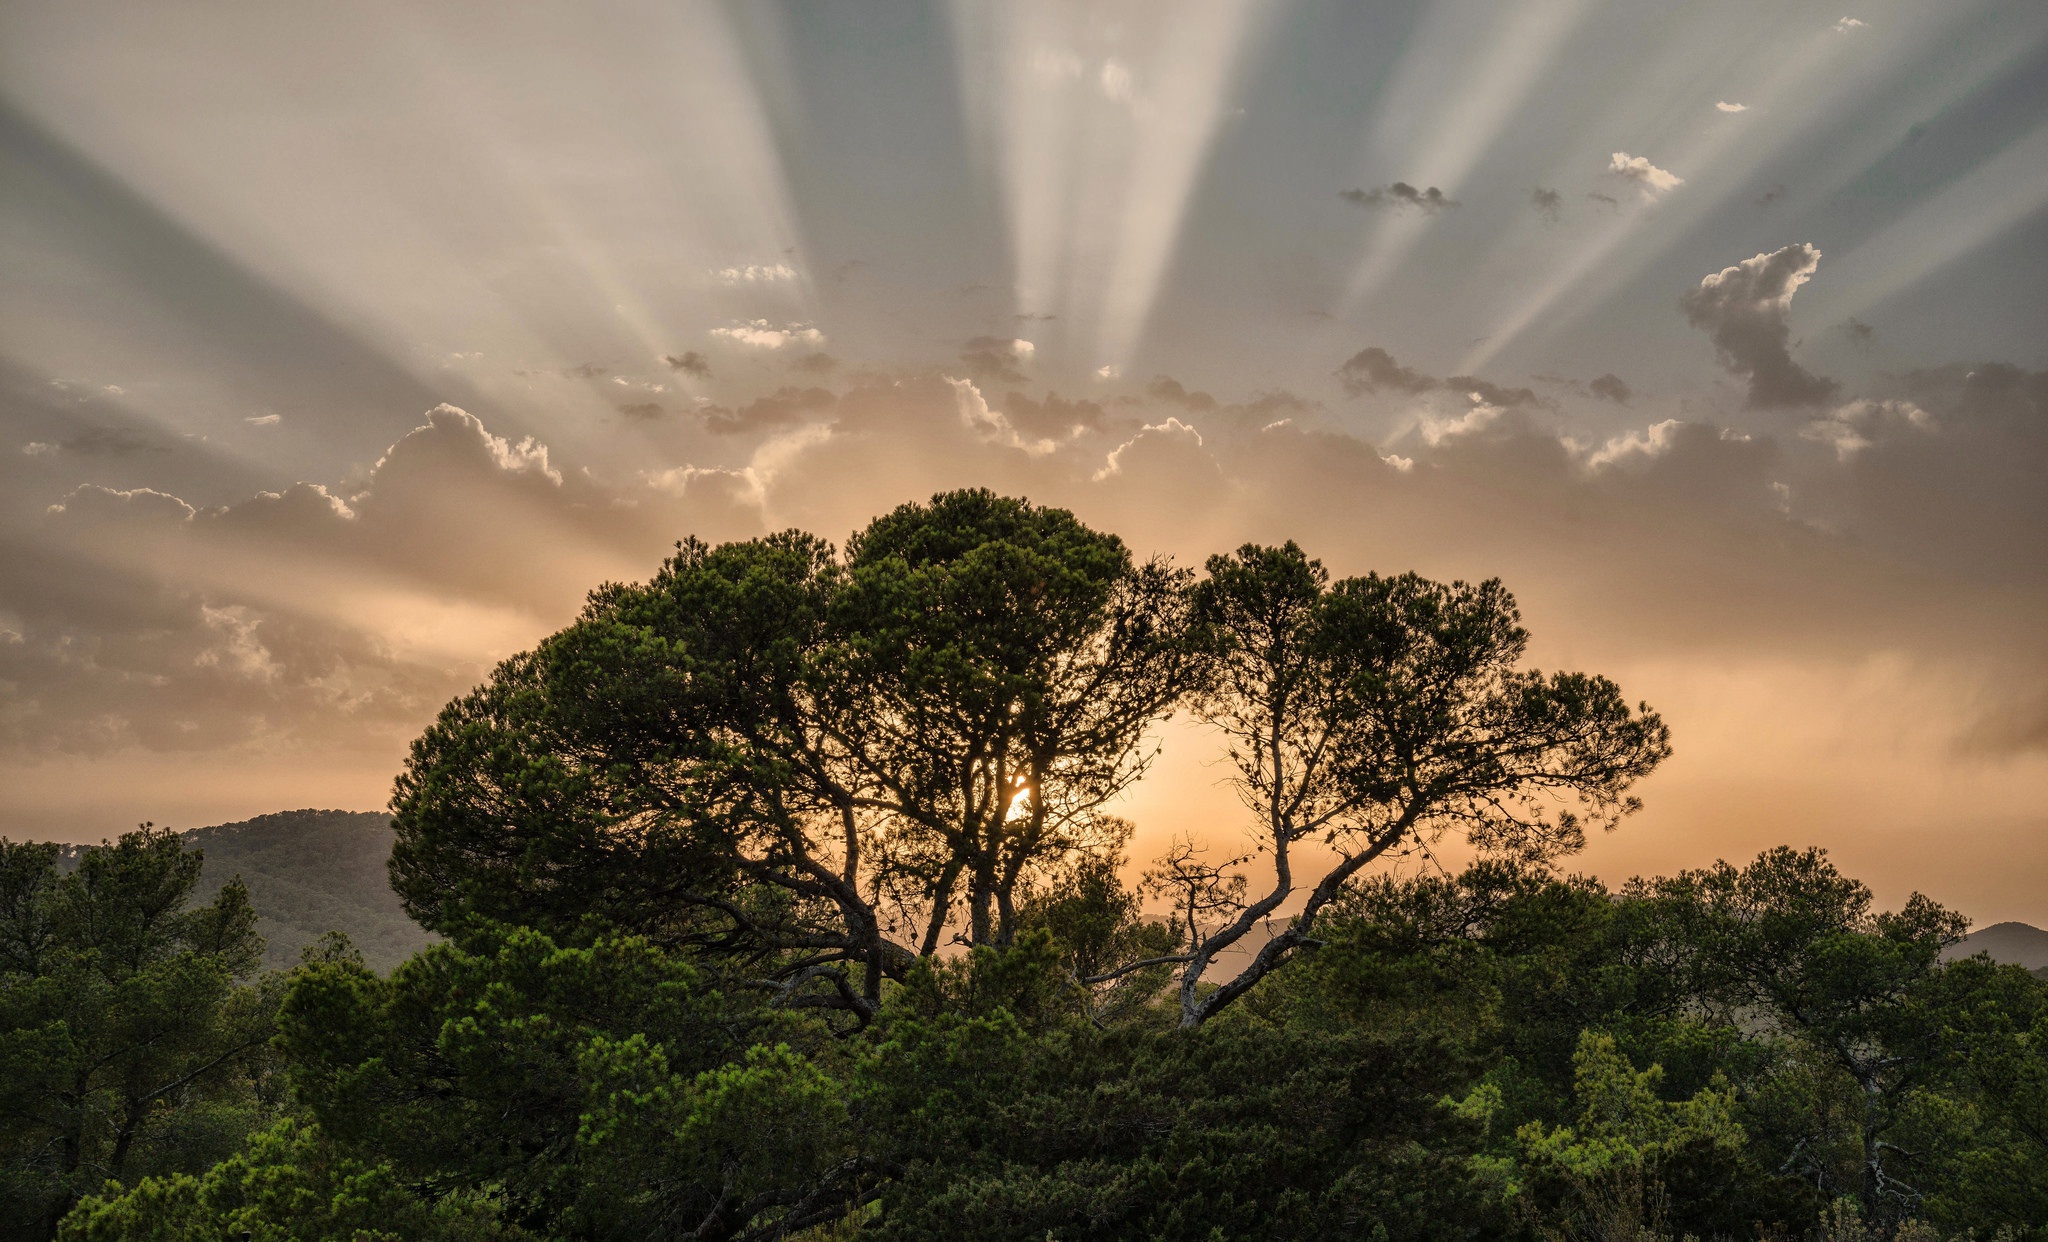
[1548, 203]
[2008, 729]
[1745, 310]
[996, 358]
[1493, 394]
[1860, 332]
[1606, 199]
[1771, 196]
[1399, 194]
[1372, 369]
[781, 408]
[815, 363]
[645, 411]
[1170, 391]
[1610, 387]
[1054, 418]
[689, 362]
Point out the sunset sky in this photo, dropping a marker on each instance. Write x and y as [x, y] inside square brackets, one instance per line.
[344, 347]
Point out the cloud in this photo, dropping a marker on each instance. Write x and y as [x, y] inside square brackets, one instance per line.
[1492, 394]
[814, 363]
[1725, 106]
[102, 442]
[1651, 179]
[1401, 195]
[997, 358]
[644, 411]
[756, 274]
[1771, 196]
[1861, 423]
[1482, 416]
[1860, 332]
[1610, 387]
[689, 362]
[1745, 309]
[761, 334]
[1053, 418]
[264, 420]
[1607, 199]
[1373, 369]
[992, 424]
[1846, 24]
[1548, 203]
[782, 408]
[1170, 440]
[1109, 371]
[1169, 390]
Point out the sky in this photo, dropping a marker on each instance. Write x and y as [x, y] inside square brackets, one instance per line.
[344, 348]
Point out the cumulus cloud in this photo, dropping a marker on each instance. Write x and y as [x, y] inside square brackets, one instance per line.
[1170, 391]
[1652, 180]
[1725, 106]
[1480, 417]
[997, 358]
[1859, 424]
[761, 334]
[781, 408]
[1490, 393]
[1172, 438]
[756, 274]
[1745, 309]
[689, 362]
[992, 424]
[1373, 369]
[1053, 418]
[1610, 387]
[1402, 195]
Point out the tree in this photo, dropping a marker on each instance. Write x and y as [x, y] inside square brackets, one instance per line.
[119, 1010]
[816, 761]
[1791, 944]
[606, 1091]
[1379, 713]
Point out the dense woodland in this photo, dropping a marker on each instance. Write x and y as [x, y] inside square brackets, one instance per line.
[779, 897]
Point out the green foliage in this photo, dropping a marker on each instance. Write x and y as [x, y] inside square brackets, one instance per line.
[289, 1185]
[606, 1090]
[126, 1041]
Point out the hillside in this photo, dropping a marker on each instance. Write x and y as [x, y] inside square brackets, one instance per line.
[308, 873]
[2018, 944]
[311, 872]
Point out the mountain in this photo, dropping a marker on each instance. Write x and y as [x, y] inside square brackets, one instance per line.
[309, 873]
[2018, 944]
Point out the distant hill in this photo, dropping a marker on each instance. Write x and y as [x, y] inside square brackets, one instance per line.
[2017, 944]
[309, 873]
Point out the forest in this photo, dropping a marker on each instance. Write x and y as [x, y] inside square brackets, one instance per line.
[783, 896]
